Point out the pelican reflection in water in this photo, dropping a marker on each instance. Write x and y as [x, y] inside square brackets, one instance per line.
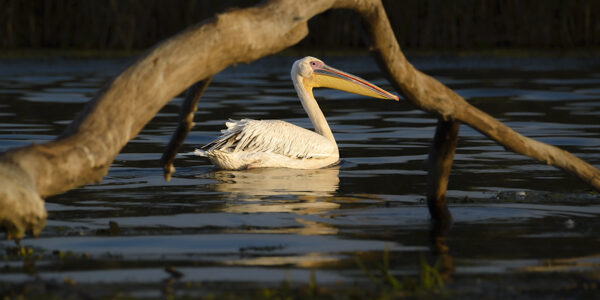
[248, 144]
[279, 190]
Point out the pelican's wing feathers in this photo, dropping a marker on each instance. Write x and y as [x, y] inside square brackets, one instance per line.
[272, 136]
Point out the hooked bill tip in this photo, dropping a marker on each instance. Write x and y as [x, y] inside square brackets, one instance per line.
[393, 97]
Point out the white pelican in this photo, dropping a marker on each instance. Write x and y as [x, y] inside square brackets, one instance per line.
[248, 144]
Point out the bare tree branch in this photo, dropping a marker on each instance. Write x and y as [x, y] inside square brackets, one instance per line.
[186, 122]
[432, 96]
[84, 152]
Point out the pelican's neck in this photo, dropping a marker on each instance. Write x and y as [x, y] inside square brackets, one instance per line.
[312, 108]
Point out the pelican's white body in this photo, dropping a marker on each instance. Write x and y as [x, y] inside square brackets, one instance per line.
[249, 143]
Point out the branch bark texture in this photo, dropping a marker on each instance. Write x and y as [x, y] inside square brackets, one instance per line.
[84, 152]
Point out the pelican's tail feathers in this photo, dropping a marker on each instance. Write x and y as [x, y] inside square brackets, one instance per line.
[232, 124]
[228, 136]
[199, 152]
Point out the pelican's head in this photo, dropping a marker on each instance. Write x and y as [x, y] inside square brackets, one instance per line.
[315, 73]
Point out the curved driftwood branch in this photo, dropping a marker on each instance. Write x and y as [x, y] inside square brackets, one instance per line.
[432, 96]
[84, 152]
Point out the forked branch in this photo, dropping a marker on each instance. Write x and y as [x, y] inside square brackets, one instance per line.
[432, 96]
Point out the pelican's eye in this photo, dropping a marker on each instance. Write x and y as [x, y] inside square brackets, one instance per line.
[315, 64]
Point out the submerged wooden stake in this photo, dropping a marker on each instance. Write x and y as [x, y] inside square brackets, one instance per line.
[441, 156]
[440, 160]
[186, 122]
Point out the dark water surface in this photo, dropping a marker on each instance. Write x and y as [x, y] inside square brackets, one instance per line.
[514, 218]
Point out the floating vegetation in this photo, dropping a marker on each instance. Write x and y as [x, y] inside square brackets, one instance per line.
[428, 281]
[113, 229]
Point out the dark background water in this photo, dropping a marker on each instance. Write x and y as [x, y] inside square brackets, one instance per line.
[514, 217]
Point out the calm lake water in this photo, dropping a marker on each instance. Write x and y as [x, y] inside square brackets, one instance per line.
[516, 220]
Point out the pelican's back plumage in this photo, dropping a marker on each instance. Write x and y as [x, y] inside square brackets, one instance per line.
[269, 143]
